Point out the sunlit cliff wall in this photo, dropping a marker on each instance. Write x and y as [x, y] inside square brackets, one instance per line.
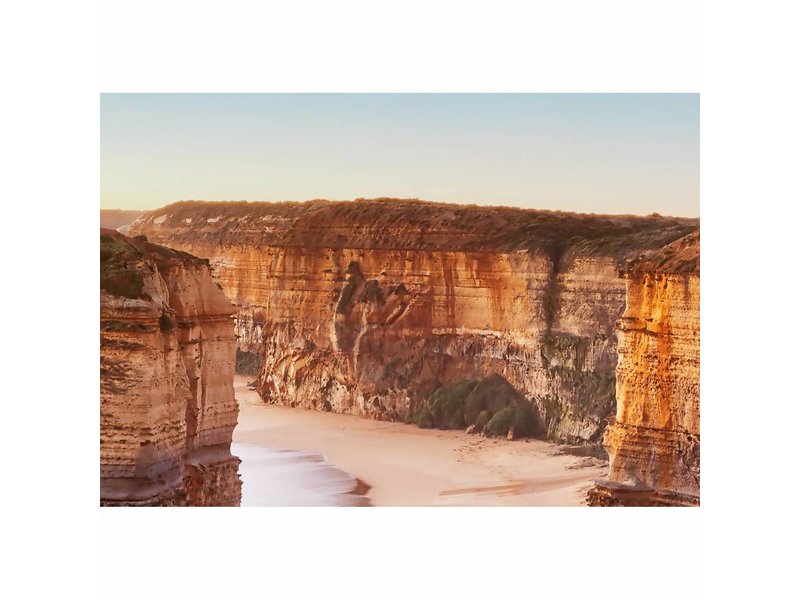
[654, 442]
[366, 307]
[167, 409]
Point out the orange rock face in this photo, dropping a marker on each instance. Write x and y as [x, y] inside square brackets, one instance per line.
[167, 409]
[366, 307]
[654, 443]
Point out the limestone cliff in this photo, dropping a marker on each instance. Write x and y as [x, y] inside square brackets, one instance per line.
[167, 409]
[654, 442]
[367, 307]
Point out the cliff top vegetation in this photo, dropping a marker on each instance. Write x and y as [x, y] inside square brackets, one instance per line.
[388, 223]
[681, 256]
[121, 258]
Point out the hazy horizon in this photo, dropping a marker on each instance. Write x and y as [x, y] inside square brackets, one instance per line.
[589, 153]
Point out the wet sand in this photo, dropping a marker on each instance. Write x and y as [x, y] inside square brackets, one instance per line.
[348, 460]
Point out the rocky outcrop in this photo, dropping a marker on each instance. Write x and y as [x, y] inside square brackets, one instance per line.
[654, 442]
[167, 409]
[367, 307]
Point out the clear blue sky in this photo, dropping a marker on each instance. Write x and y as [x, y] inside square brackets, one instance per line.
[604, 153]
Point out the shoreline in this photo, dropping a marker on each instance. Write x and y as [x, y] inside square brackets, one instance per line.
[280, 477]
[397, 464]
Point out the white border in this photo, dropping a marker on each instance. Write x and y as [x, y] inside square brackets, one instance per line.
[51, 153]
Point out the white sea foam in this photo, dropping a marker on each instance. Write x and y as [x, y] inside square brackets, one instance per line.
[276, 477]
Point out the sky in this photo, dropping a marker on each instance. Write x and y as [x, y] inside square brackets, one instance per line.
[600, 153]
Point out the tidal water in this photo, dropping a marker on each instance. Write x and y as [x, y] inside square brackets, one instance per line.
[277, 477]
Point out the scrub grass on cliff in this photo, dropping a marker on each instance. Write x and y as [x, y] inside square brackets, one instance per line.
[411, 224]
[123, 257]
[490, 406]
[117, 277]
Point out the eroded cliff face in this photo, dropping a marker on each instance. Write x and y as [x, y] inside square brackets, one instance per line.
[167, 409]
[654, 442]
[367, 307]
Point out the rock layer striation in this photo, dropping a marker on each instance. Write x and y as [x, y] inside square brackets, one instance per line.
[654, 442]
[367, 307]
[167, 408]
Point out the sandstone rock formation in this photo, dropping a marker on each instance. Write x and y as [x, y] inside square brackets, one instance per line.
[654, 442]
[167, 409]
[369, 306]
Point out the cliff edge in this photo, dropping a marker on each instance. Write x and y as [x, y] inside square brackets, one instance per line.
[167, 409]
[654, 441]
[368, 307]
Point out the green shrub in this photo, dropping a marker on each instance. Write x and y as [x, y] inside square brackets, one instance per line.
[491, 405]
[455, 422]
[492, 394]
[111, 247]
[424, 418]
[482, 420]
[524, 421]
[447, 404]
[500, 423]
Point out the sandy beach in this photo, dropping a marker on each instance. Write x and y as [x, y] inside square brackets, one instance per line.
[394, 464]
